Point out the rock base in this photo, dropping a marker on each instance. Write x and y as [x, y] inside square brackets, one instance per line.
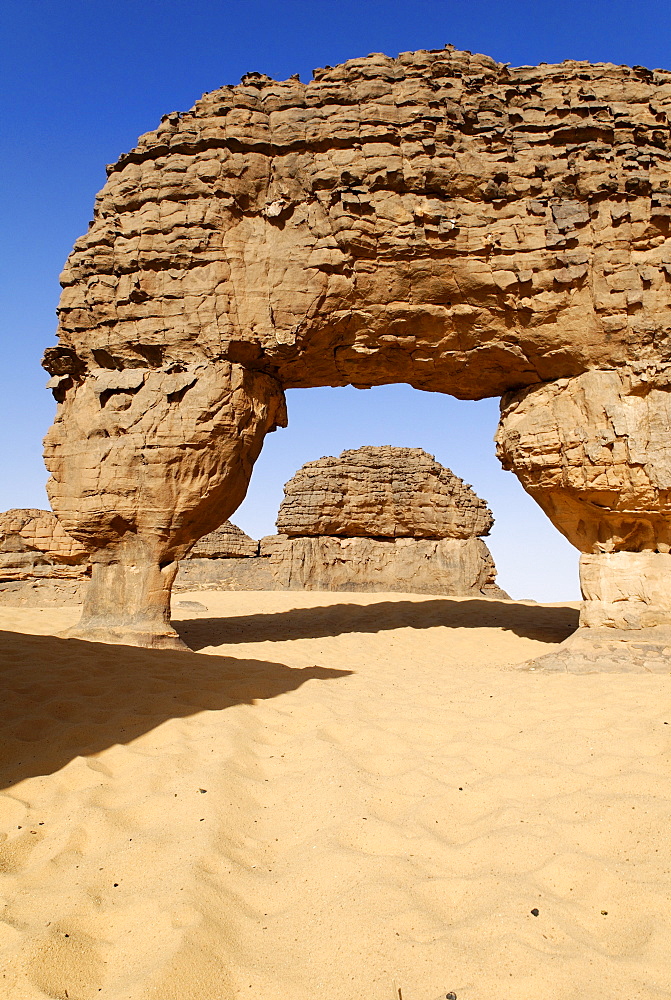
[626, 590]
[127, 637]
[447, 566]
[609, 650]
[247, 573]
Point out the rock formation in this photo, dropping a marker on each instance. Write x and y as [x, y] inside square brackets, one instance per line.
[438, 219]
[450, 566]
[33, 544]
[225, 542]
[227, 559]
[379, 519]
[383, 492]
[43, 566]
[374, 519]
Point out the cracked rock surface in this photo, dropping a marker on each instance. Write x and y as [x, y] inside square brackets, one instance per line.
[439, 218]
[34, 544]
[381, 492]
[225, 542]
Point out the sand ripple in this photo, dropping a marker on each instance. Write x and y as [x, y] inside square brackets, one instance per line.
[337, 792]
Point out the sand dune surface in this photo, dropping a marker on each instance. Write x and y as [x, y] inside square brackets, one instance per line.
[334, 796]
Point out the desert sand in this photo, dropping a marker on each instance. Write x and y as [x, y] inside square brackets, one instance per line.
[334, 796]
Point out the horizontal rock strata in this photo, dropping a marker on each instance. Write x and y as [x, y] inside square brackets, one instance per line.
[34, 544]
[437, 219]
[381, 518]
[381, 492]
[226, 542]
[448, 566]
[232, 573]
[594, 452]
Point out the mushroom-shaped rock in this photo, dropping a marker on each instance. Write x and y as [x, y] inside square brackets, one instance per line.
[381, 492]
[382, 518]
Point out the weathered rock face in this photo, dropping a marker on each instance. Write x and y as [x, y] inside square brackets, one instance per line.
[225, 542]
[142, 467]
[453, 566]
[626, 590]
[33, 543]
[226, 558]
[381, 518]
[594, 452]
[381, 492]
[438, 219]
[229, 573]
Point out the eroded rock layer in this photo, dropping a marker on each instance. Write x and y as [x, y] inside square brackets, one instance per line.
[34, 544]
[439, 218]
[381, 518]
[226, 542]
[448, 566]
[594, 452]
[381, 492]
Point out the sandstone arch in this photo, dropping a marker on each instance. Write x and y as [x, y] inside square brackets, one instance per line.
[438, 219]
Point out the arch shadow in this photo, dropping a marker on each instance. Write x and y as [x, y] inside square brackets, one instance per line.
[551, 625]
[64, 698]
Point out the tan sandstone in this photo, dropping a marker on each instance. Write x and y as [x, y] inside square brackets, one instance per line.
[454, 566]
[225, 542]
[381, 492]
[381, 519]
[439, 219]
[34, 544]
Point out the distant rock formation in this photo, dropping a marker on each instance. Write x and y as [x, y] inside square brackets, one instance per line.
[225, 559]
[225, 542]
[34, 544]
[449, 566]
[373, 519]
[381, 492]
[381, 518]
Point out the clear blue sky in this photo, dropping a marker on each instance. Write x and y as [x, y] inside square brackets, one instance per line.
[81, 79]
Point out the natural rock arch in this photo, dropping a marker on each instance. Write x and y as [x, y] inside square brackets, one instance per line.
[438, 219]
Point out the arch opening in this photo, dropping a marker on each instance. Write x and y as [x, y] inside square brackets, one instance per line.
[460, 433]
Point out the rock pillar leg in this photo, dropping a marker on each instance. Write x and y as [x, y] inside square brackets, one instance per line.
[128, 599]
[595, 452]
[626, 590]
[144, 462]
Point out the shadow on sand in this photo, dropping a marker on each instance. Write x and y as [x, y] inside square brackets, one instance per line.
[530, 621]
[62, 698]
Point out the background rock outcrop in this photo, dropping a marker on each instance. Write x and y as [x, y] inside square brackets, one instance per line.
[398, 521]
[34, 544]
[381, 518]
[381, 492]
[40, 564]
[225, 542]
[225, 559]
[448, 566]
